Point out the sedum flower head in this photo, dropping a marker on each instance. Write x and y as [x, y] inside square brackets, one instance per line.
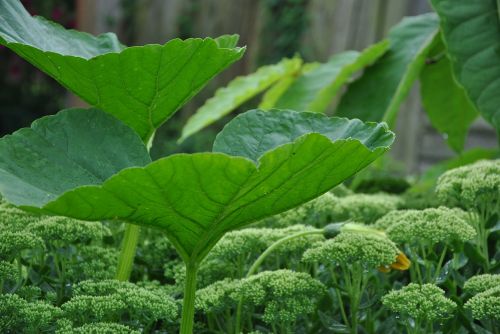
[481, 283]
[486, 304]
[110, 299]
[62, 231]
[20, 316]
[15, 220]
[368, 249]
[15, 242]
[430, 226]
[284, 294]
[472, 186]
[424, 302]
[65, 327]
[366, 208]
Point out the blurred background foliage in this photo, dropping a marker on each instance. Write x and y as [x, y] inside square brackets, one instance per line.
[271, 29]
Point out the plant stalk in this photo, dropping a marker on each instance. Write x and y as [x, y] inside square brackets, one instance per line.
[256, 265]
[127, 252]
[130, 239]
[187, 320]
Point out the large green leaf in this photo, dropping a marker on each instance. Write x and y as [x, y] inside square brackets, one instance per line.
[316, 89]
[378, 94]
[274, 165]
[445, 101]
[238, 91]
[471, 31]
[59, 153]
[142, 86]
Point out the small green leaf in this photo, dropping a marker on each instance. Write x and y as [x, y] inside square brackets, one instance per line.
[238, 91]
[227, 41]
[197, 198]
[316, 89]
[59, 153]
[141, 86]
[446, 103]
[378, 94]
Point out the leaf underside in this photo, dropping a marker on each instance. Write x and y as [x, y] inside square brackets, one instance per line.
[316, 89]
[141, 86]
[194, 198]
[238, 91]
[471, 31]
[378, 94]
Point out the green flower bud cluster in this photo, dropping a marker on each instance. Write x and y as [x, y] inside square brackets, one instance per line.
[473, 186]
[65, 327]
[425, 302]
[111, 301]
[284, 294]
[369, 250]
[365, 208]
[20, 316]
[485, 304]
[429, 226]
[61, 231]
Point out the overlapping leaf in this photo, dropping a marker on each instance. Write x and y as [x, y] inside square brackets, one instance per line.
[316, 89]
[446, 103]
[471, 31]
[142, 86]
[265, 163]
[238, 91]
[378, 94]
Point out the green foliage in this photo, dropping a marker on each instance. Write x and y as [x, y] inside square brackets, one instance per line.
[475, 60]
[445, 101]
[105, 73]
[486, 304]
[315, 89]
[238, 91]
[424, 303]
[378, 94]
[219, 189]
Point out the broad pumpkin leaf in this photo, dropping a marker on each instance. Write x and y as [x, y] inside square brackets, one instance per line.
[445, 101]
[378, 94]
[316, 89]
[141, 86]
[238, 91]
[59, 153]
[471, 31]
[265, 163]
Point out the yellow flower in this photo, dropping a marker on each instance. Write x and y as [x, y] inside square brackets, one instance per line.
[401, 263]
